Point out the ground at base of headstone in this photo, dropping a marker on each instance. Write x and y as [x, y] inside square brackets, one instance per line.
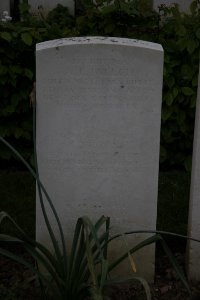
[16, 284]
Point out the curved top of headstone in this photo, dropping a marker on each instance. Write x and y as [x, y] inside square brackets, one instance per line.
[97, 40]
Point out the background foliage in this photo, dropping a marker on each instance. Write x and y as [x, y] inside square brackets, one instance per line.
[178, 33]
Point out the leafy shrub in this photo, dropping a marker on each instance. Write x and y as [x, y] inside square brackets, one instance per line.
[60, 16]
[17, 74]
[118, 18]
[16, 79]
[180, 38]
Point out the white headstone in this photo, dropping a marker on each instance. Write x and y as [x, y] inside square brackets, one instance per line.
[183, 4]
[4, 6]
[48, 5]
[193, 258]
[98, 134]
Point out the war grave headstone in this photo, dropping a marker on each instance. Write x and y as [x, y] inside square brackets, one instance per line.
[48, 5]
[98, 135]
[4, 6]
[184, 5]
[193, 248]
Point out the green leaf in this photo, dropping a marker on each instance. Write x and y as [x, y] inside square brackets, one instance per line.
[108, 9]
[163, 154]
[41, 187]
[15, 99]
[181, 30]
[182, 43]
[27, 38]
[193, 7]
[23, 262]
[193, 101]
[170, 81]
[4, 131]
[166, 113]
[18, 132]
[188, 164]
[6, 36]
[26, 135]
[14, 34]
[198, 33]
[10, 109]
[125, 7]
[181, 118]
[3, 80]
[187, 71]
[191, 46]
[28, 73]
[175, 92]
[195, 81]
[109, 28]
[3, 70]
[169, 98]
[187, 91]
[12, 81]
[24, 8]
[167, 58]
[164, 71]
[175, 264]
[16, 69]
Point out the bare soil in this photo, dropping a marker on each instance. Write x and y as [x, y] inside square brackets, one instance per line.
[17, 283]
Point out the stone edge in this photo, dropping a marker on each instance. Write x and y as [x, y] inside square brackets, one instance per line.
[98, 40]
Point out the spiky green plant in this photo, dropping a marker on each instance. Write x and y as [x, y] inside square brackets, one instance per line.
[84, 270]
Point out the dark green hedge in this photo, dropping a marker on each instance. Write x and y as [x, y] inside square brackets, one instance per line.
[178, 33]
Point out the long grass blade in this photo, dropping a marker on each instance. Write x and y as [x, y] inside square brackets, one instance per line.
[87, 223]
[139, 246]
[95, 250]
[45, 193]
[25, 238]
[23, 262]
[175, 264]
[98, 280]
[77, 233]
[90, 258]
[79, 259]
[48, 267]
[145, 285]
[34, 253]
[7, 238]
[156, 232]
[4, 216]
[104, 273]
[96, 293]
[130, 257]
[105, 251]
[77, 270]
[147, 242]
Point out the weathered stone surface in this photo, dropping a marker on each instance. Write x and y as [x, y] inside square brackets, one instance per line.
[48, 5]
[98, 134]
[193, 260]
[183, 4]
[4, 6]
